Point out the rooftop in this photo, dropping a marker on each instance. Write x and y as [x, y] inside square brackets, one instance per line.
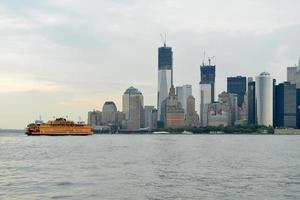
[265, 74]
[109, 103]
[132, 90]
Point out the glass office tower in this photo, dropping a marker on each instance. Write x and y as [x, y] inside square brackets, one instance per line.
[237, 85]
[165, 79]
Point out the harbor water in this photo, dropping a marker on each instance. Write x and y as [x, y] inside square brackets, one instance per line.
[150, 167]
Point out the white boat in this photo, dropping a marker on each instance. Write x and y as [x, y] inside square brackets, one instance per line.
[161, 132]
[187, 133]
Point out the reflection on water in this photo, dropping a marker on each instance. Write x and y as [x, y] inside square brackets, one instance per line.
[150, 167]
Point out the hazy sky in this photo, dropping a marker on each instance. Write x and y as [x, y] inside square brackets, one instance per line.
[65, 57]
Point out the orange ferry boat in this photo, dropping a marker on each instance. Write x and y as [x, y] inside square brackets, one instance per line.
[58, 127]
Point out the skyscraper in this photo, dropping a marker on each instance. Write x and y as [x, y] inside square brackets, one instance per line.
[291, 72]
[179, 93]
[264, 99]
[251, 102]
[218, 114]
[205, 98]
[208, 76]
[95, 118]
[165, 78]
[207, 90]
[237, 85]
[133, 108]
[148, 116]
[183, 92]
[191, 116]
[109, 113]
[297, 81]
[153, 119]
[174, 111]
[230, 100]
[285, 105]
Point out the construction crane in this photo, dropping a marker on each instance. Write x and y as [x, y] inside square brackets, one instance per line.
[164, 39]
[203, 60]
[210, 59]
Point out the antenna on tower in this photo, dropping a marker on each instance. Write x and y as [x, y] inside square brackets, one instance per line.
[164, 39]
[203, 58]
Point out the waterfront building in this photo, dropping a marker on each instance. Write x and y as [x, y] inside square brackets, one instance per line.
[237, 85]
[162, 122]
[174, 111]
[264, 99]
[251, 102]
[179, 93]
[191, 116]
[120, 119]
[183, 92]
[133, 103]
[148, 110]
[205, 98]
[285, 105]
[153, 124]
[291, 72]
[218, 114]
[243, 112]
[298, 107]
[297, 81]
[165, 78]
[208, 76]
[224, 112]
[109, 113]
[95, 118]
[274, 85]
[231, 102]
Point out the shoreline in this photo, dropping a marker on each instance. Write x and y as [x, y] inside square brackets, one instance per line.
[276, 132]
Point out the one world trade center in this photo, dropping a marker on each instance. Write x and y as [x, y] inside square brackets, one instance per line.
[165, 80]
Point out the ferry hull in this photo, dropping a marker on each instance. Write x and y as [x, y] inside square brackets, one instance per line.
[58, 134]
[59, 127]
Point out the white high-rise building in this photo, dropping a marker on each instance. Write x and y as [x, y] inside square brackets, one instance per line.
[297, 76]
[264, 99]
[205, 98]
[292, 75]
[183, 92]
[291, 72]
[165, 78]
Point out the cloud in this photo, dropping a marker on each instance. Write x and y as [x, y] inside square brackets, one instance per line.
[20, 83]
[90, 51]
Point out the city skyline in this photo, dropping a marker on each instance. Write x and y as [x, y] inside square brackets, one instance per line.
[58, 59]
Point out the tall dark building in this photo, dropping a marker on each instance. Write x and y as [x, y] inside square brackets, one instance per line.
[298, 107]
[208, 76]
[251, 103]
[165, 58]
[285, 105]
[274, 101]
[237, 85]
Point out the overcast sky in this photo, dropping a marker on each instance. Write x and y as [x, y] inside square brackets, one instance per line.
[66, 57]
